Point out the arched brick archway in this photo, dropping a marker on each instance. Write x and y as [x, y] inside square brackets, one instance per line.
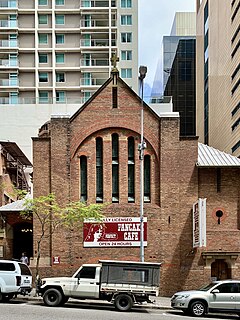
[22, 239]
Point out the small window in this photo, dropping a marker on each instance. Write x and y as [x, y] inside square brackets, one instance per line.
[59, 2]
[126, 20]
[60, 77]
[126, 55]
[43, 97]
[60, 19]
[60, 57]
[42, 2]
[135, 275]
[43, 58]
[147, 178]
[42, 19]
[126, 3]
[83, 186]
[43, 77]
[87, 273]
[43, 38]
[59, 38]
[126, 73]
[60, 96]
[126, 37]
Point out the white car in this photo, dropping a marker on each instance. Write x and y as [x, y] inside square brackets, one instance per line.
[15, 278]
[219, 296]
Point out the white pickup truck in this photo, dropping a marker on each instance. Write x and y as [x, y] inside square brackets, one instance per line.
[122, 283]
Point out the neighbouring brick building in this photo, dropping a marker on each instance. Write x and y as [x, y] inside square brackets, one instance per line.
[93, 156]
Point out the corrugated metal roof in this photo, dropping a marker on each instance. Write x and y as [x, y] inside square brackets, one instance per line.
[211, 157]
[15, 206]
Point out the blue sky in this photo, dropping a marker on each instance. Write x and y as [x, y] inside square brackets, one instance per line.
[155, 21]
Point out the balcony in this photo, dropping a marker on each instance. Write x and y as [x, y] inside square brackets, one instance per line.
[92, 82]
[8, 4]
[97, 43]
[49, 100]
[8, 43]
[9, 83]
[94, 62]
[97, 4]
[8, 63]
[8, 24]
[101, 23]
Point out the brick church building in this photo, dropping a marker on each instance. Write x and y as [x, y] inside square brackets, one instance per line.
[93, 156]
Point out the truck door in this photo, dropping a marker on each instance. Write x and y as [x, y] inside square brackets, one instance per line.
[87, 285]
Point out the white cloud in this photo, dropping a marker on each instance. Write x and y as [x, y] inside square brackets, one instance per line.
[155, 21]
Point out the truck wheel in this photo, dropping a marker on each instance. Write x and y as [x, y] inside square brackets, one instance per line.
[123, 302]
[52, 297]
[198, 308]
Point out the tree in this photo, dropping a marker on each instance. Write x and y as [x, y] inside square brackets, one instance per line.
[50, 216]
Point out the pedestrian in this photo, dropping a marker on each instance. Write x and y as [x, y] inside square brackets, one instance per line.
[24, 258]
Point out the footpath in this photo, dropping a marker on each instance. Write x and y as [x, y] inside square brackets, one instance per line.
[158, 302]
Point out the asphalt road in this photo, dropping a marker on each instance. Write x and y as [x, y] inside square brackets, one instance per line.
[35, 310]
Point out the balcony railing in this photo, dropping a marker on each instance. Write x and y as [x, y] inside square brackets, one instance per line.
[97, 43]
[8, 24]
[8, 43]
[102, 23]
[97, 4]
[8, 63]
[95, 63]
[8, 83]
[20, 101]
[92, 82]
[8, 4]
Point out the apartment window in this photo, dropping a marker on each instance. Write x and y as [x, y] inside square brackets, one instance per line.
[43, 77]
[60, 38]
[59, 2]
[147, 180]
[126, 54]
[99, 170]
[42, 38]
[131, 170]
[236, 86]
[126, 3]
[60, 96]
[126, 20]
[126, 37]
[43, 97]
[42, 2]
[236, 71]
[60, 57]
[83, 185]
[42, 19]
[236, 48]
[43, 58]
[60, 19]
[13, 97]
[115, 168]
[235, 12]
[126, 73]
[60, 77]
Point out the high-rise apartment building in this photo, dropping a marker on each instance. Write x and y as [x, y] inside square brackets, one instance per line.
[218, 74]
[59, 51]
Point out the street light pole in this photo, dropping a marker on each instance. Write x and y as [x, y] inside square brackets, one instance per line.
[141, 147]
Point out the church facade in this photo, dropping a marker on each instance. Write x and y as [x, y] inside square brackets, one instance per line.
[93, 156]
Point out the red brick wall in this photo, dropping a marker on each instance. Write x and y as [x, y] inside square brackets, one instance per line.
[175, 185]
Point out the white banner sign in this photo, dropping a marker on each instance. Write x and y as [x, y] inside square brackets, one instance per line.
[199, 223]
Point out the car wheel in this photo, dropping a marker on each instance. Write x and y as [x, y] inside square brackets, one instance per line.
[198, 308]
[52, 297]
[123, 302]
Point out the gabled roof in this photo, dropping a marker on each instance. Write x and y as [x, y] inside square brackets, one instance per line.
[211, 157]
[105, 84]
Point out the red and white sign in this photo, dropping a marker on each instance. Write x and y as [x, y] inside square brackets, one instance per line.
[56, 260]
[114, 232]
